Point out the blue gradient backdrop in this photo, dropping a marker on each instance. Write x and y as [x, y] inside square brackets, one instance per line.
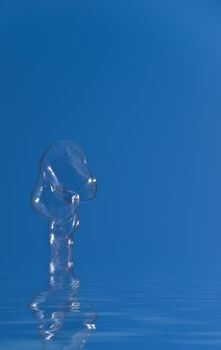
[137, 85]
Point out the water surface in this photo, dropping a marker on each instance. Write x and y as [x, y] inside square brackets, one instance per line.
[155, 311]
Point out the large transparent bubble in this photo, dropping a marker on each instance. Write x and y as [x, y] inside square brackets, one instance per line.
[64, 322]
[64, 180]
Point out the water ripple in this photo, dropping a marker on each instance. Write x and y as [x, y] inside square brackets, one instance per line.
[152, 312]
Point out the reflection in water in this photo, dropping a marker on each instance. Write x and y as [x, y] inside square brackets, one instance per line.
[64, 321]
[155, 312]
[65, 180]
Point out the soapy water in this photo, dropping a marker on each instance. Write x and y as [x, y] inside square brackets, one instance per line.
[65, 180]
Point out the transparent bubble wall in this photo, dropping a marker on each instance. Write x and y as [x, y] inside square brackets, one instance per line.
[64, 181]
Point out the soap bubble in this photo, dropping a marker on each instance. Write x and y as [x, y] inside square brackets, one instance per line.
[65, 180]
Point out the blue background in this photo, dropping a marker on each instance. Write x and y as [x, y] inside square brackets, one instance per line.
[137, 85]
